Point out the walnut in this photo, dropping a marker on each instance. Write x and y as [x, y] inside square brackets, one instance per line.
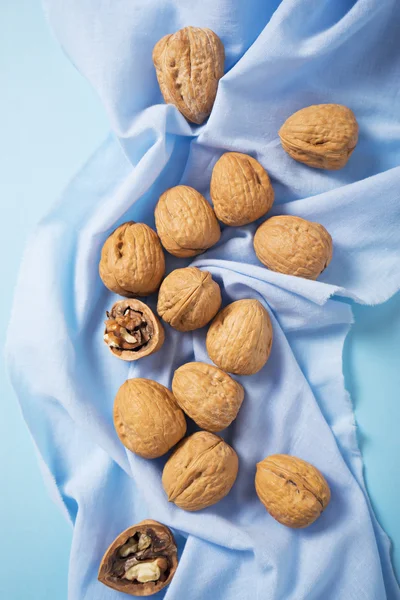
[294, 492]
[200, 472]
[293, 246]
[188, 299]
[132, 330]
[141, 561]
[189, 65]
[147, 418]
[241, 190]
[207, 395]
[185, 222]
[239, 339]
[321, 136]
[132, 261]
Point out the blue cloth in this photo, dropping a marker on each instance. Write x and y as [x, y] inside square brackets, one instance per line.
[280, 56]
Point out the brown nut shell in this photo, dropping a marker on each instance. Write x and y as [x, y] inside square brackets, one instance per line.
[241, 190]
[189, 65]
[200, 472]
[239, 339]
[293, 246]
[188, 299]
[185, 222]
[132, 261]
[132, 330]
[147, 418]
[207, 395]
[146, 550]
[292, 490]
[321, 136]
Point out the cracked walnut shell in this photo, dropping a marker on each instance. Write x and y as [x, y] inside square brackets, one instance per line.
[239, 339]
[147, 418]
[321, 136]
[132, 261]
[200, 472]
[292, 490]
[189, 65]
[293, 246]
[185, 222]
[240, 189]
[141, 561]
[188, 299]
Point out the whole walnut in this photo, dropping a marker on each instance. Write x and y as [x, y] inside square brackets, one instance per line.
[189, 65]
[188, 299]
[132, 261]
[239, 339]
[292, 490]
[207, 395]
[321, 136]
[241, 190]
[293, 246]
[147, 418]
[185, 222]
[200, 472]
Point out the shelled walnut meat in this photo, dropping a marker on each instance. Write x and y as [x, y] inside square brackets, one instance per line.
[185, 222]
[200, 472]
[189, 65]
[141, 561]
[132, 261]
[239, 339]
[293, 246]
[207, 395]
[292, 490]
[147, 418]
[132, 330]
[188, 299]
[241, 190]
[321, 136]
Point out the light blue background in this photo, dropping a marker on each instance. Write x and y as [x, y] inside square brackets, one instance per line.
[51, 122]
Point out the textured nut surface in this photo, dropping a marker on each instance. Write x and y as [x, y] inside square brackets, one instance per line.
[147, 418]
[207, 395]
[185, 222]
[292, 490]
[200, 472]
[188, 299]
[132, 261]
[141, 561]
[132, 330]
[293, 246]
[239, 339]
[321, 136]
[189, 65]
[241, 190]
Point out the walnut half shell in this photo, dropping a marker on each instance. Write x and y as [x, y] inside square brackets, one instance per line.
[141, 561]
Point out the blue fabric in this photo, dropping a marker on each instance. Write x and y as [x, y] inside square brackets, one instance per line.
[280, 56]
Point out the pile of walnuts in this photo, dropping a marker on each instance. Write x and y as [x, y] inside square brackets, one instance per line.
[149, 418]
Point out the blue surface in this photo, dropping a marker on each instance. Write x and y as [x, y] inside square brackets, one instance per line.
[38, 79]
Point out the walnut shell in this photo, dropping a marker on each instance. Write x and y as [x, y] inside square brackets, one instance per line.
[147, 418]
[185, 222]
[188, 299]
[293, 246]
[239, 339]
[189, 65]
[292, 490]
[200, 472]
[321, 136]
[207, 395]
[125, 565]
[132, 261]
[132, 330]
[241, 190]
